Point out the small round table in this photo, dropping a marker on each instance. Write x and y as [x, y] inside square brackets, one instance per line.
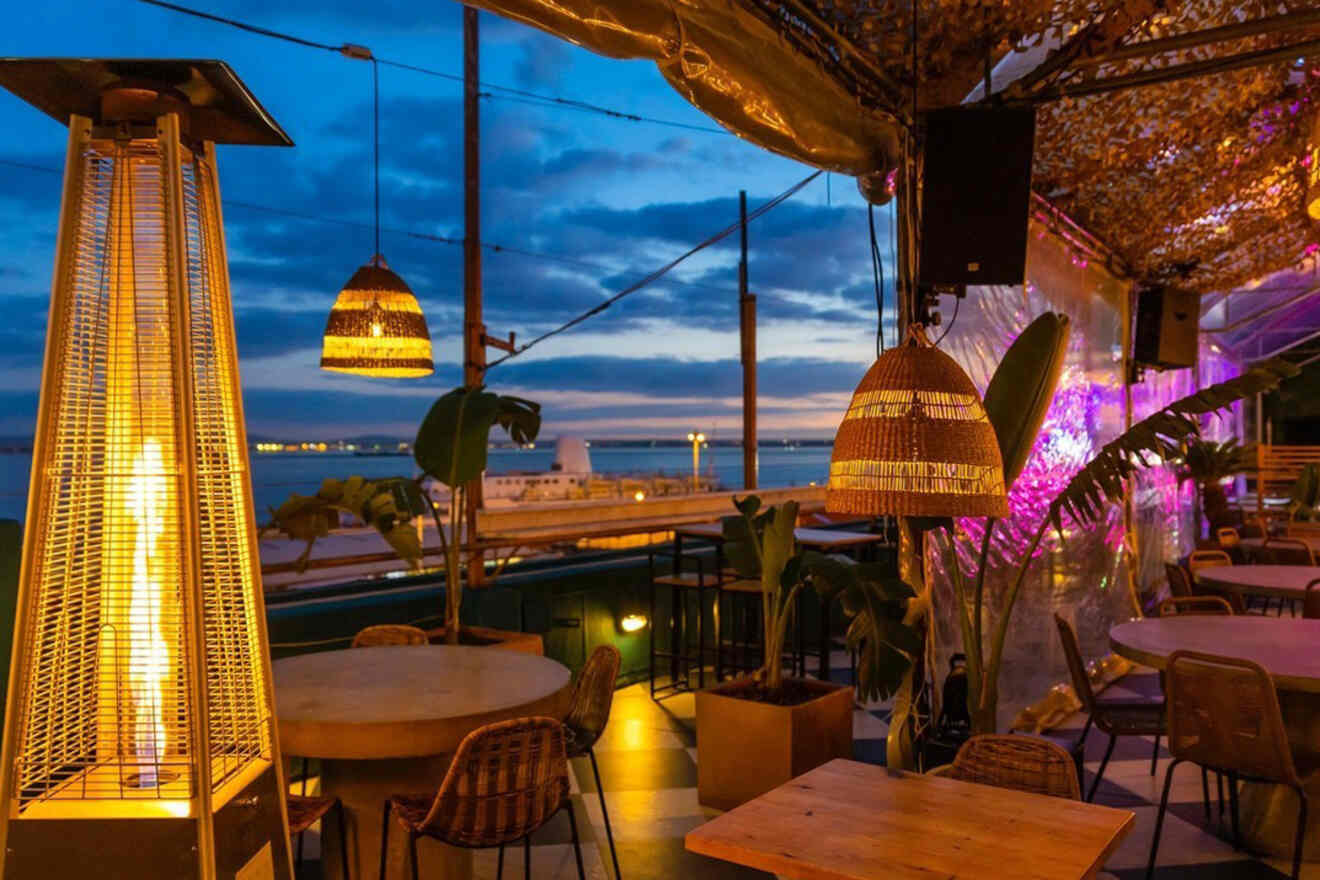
[1286, 648]
[1278, 581]
[1254, 544]
[387, 720]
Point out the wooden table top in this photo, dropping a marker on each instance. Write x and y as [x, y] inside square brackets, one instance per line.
[851, 821]
[407, 701]
[1287, 581]
[1285, 646]
[823, 539]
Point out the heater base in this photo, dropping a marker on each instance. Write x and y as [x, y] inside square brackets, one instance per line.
[154, 848]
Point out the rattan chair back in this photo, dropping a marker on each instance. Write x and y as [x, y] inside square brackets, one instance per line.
[1207, 559]
[389, 634]
[1180, 582]
[1023, 763]
[1286, 551]
[1224, 714]
[1072, 652]
[593, 696]
[505, 781]
[1184, 605]
[1311, 604]
[1227, 536]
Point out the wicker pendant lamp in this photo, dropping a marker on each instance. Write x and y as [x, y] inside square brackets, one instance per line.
[916, 441]
[376, 326]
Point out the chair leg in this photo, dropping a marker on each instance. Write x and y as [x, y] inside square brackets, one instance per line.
[1159, 818]
[1155, 755]
[1233, 809]
[527, 857]
[1300, 839]
[1219, 790]
[384, 840]
[499, 864]
[298, 856]
[1205, 792]
[412, 856]
[343, 838]
[1104, 762]
[609, 833]
[577, 846]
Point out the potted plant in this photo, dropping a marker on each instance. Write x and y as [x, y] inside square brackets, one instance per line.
[451, 448]
[758, 732]
[1208, 463]
[1016, 401]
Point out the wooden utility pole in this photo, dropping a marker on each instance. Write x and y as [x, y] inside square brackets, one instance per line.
[747, 332]
[474, 329]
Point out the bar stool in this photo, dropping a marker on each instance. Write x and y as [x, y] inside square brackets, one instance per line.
[740, 601]
[681, 653]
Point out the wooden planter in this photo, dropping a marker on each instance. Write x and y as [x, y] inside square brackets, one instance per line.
[745, 747]
[508, 640]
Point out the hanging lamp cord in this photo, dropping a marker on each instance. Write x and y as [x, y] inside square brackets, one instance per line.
[375, 157]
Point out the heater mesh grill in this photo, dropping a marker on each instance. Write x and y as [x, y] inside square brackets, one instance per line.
[105, 707]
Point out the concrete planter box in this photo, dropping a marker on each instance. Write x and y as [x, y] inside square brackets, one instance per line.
[745, 747]
[508, 640]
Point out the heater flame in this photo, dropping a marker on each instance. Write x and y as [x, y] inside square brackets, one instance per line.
[149, 656]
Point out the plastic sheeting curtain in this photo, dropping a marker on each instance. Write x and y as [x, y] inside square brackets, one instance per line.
[1084, 575]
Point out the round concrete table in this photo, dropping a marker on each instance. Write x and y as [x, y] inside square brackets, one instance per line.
[1278, 581]
[387, 720]
[1254, 544]
[1288, 649]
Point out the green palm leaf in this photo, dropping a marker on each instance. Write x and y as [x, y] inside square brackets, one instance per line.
[1159, 437]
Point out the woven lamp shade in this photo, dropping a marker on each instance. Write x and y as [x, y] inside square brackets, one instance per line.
[916, 441]
[376, 327]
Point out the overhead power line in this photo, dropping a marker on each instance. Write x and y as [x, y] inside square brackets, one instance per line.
[352, 50]
[659, 273]
[493, 247]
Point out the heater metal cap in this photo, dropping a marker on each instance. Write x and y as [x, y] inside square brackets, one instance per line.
[222, 109]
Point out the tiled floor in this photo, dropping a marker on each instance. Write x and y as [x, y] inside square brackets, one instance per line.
[647, 763]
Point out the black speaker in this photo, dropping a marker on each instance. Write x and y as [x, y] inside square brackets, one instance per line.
[1167, 323]
[976, 190]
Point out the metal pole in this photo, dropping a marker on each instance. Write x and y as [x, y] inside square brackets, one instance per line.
[474, 330]
[747, 334]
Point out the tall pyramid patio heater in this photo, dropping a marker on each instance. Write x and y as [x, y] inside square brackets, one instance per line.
[139, 735]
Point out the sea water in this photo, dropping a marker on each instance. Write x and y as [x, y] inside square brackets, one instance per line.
[276, 475]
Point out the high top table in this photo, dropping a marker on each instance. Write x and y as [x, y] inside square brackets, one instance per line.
[824, 540]
[1289, 649]
[387, 720]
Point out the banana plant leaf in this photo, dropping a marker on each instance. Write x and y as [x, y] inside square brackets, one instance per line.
[876, 602]
[452, 441]
[1022, 388]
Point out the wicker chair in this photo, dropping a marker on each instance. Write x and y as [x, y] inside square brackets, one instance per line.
[1114, 717]
[1200, 559]
[1224, 715]
[1227, 537]
[1180, 582]
[1181, 605]
[506, 781]
[305, 811]
[1024, 763]
[587, 717]
[390, 634]
[1286, 551]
